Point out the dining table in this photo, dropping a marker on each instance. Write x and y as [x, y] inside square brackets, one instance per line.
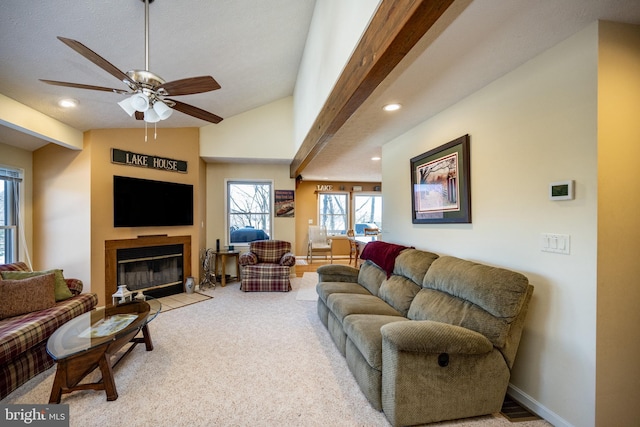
[361, 242]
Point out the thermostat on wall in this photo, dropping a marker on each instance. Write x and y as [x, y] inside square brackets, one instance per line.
[561, 190]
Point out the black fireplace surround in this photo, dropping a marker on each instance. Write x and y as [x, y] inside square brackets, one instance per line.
[155, 270]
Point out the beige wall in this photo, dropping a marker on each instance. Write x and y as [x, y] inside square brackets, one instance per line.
[21, 159]
[73, 196]
[217, 173]
[531, 127]
[307, 209]
[618, 318]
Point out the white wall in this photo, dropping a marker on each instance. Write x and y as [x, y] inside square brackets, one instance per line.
[533, 126]
[335, 31]
[264, 133]
[24, 119]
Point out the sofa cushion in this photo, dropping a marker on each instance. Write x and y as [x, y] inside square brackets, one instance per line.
[398, 292]
[498, 291]
[478, 297]
[20, 333]
[342, 305]
[413, 264]
[364, 331]
[440, 307]
[324, 289]
[382, 254]
[371, 277]
[25, 296]
[62, 291]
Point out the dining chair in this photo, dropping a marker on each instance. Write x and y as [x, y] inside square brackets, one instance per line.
[319, 243]
[353, 247]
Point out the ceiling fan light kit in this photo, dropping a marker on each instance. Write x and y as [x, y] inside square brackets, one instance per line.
[146, 89]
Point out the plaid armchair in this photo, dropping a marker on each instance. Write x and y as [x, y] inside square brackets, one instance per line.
[266, 267]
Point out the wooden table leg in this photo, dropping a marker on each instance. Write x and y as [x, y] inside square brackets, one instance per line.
[223, 281]
[107, 378]
[58, 382]
[237, 257]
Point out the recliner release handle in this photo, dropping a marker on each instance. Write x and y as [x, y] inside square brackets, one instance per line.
[443, 359]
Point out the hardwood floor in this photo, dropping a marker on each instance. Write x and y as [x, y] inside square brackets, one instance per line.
[317, 262]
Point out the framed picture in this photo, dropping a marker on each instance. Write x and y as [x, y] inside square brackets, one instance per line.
[285, 203]
[440, 184]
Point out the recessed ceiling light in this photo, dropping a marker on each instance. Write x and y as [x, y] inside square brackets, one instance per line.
[68, 103]
[391, 107]
[376, 158]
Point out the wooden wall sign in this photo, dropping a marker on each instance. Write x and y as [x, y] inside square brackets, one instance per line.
[147, 161]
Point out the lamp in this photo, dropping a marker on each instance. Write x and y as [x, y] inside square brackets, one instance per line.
[150, 116]
[140, 102]
[127, 107]
[153, 107]
[162, 110]
[136, 102]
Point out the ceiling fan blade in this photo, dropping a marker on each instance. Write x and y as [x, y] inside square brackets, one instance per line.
[139, 115]
[98, 60]
[190, 86]
[83, 86]
[195, 111]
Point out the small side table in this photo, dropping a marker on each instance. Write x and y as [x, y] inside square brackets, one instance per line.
[222, 257]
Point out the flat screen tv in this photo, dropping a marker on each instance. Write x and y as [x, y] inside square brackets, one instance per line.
[146, 203]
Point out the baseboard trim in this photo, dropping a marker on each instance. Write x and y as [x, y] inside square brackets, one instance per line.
[536, 407]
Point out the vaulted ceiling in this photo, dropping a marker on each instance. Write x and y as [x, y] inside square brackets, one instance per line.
[254, 48]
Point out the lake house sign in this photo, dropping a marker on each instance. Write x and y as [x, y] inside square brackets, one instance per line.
[147, 161]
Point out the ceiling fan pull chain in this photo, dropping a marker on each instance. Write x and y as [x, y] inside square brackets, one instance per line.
[145, 131]
[155, 131]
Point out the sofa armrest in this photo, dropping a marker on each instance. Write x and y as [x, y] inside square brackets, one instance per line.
[74, 285]
[288, 259]
[337, 273]
[425, 336]
[248, 258]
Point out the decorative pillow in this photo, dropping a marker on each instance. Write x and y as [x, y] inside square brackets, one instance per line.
[26, 295]
[62, 291]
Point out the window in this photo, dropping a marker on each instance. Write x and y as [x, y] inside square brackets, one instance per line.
[333, 212]
[249, 212]
[367, 212]
[9, 214]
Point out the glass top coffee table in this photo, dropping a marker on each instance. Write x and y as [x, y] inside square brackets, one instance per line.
[90, 340]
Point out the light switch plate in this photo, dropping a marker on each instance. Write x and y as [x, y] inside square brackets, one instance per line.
[555, 243]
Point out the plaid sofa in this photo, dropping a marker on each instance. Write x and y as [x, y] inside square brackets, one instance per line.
[266, 267]
[23, 339]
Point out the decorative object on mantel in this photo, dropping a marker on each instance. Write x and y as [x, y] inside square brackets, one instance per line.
[122, 295]
[129, 158]
[441, 184]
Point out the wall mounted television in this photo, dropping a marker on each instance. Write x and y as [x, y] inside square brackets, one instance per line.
[146, 203]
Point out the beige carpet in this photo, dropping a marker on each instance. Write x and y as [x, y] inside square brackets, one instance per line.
[239, 359]
[306, 287]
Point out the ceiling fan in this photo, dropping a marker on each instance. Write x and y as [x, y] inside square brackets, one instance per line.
[148, 92]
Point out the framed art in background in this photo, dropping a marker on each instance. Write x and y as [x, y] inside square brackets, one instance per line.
[440, 184]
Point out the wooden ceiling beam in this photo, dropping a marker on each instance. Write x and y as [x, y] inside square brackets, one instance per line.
[393, 31]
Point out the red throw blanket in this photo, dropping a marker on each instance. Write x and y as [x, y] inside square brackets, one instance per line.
[382, 254]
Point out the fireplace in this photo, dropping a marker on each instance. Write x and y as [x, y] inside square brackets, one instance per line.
[157, 265]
